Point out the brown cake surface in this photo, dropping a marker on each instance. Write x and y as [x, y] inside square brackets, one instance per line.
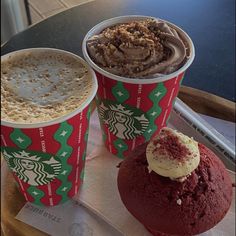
[171, 207]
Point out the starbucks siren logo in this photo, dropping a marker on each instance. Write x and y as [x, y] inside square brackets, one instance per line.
[32, 167]
[123, 121]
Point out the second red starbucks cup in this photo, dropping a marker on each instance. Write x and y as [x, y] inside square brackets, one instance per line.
[132, 110]
[47, 158]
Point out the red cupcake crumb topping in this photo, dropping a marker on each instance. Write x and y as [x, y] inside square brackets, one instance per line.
[171, 146]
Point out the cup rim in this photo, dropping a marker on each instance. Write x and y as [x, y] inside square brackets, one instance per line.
[123, 19]
[66, 116]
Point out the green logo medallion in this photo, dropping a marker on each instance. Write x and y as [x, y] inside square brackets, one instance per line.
[34, 168]
[124, 121]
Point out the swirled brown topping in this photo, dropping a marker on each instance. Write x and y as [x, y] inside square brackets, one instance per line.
[147, 48]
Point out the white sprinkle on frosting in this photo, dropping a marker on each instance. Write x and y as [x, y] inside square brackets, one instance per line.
[179, 201]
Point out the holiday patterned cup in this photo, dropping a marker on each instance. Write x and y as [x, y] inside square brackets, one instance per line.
[47, 159]
[131, 111]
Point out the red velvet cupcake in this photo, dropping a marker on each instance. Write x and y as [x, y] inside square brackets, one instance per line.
[175, 186]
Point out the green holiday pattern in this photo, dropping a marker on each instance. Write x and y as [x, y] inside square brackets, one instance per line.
[155, 96]
[88, 113]
[120, 93]
[82, 174]
[23, 141]
[121, 146]
[20, 139]
[62, 135]
[34, 168]
[37, 194]
[84, 155]
[123, 121]
[84, 158]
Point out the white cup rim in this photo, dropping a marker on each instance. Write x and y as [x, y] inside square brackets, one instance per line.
[123, 19]
[66, 116]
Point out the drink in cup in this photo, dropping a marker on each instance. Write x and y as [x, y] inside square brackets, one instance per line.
[140, 63]
[46, 95]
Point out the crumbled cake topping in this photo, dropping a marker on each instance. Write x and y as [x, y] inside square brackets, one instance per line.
[172, 154]
[171, 146]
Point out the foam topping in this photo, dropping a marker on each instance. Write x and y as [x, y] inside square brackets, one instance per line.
[39, 86]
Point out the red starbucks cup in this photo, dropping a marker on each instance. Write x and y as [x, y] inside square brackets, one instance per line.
[132, 110]
[47, 158]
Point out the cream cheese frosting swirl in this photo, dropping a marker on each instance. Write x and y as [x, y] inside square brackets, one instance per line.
[172, 154]
[146, 48]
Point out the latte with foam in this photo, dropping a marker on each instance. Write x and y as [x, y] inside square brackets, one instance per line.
[40, 86]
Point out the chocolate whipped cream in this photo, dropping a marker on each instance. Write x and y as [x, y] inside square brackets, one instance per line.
[147, 48]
